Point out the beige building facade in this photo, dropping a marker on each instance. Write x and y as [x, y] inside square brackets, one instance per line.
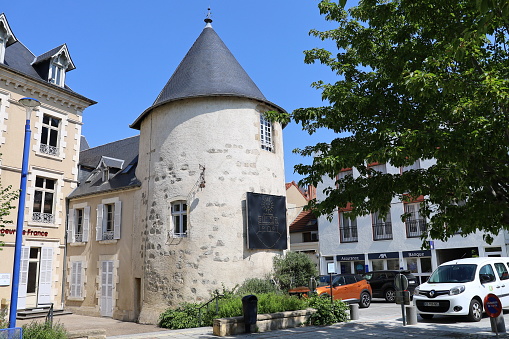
[53, 159]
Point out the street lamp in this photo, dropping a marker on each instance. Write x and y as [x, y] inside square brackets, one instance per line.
[29, 104]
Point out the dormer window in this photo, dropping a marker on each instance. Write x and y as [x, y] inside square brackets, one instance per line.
[109, 167]
[57, 70]
[7, 38]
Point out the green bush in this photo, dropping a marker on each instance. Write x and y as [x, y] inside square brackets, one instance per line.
[185, 316]
[44, 330]
[257, 286]
[293, 269]
[327, 313]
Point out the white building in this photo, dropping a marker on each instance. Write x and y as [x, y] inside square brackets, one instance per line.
[370, 243]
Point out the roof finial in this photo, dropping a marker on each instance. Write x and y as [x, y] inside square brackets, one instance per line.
[208, 20]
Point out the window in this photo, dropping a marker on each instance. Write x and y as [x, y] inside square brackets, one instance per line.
[76, 284]
[109, 210]
[415, 223]
[486, 274]
[108, 220]
[503, 274]
[310, 236]
[266, 133]
[57, 70]
[415, 166]
[2, 46]
[49, 135]
[348, 228]
[179, 216]
[78, 224]
[382, 227]
[43, 200]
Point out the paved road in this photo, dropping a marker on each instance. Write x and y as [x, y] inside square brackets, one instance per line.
[381, 320]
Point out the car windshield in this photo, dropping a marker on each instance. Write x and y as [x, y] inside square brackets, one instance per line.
[453, 273]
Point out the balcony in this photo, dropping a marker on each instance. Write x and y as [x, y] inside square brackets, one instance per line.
[78, 237]
[108, 235]
[382, 231]
[45, 218]
[47, 149]
[348, 234]
[415, 227]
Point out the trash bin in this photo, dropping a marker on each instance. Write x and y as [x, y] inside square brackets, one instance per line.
[250, 310]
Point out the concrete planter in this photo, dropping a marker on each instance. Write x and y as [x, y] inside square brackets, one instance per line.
[265, 322]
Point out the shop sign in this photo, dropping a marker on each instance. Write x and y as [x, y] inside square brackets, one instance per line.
[387, 255]
[416, 254]
[5, 279]
[29, 232]
[350, 257]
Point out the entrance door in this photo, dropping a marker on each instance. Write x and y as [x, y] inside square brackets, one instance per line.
[45, 270]
[106, 301]
[33, 276]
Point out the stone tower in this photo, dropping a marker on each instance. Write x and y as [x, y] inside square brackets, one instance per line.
[204, 144]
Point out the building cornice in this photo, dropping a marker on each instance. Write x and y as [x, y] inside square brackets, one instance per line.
[41, 89]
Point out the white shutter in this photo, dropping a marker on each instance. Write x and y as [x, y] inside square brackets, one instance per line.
[106, 299]
[45, 270]
[70, 226]
[23, 277]
[118, 220]
[76, 279]
[79, 285]
[86, 223]
[99, 225]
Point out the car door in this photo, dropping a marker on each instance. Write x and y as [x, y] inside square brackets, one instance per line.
[489, 281]
[338, 288]
[502, 288]
[376, 283]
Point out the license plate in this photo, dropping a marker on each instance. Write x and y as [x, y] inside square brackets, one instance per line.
[431, 303]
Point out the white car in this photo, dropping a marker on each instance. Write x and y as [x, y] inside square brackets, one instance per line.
[458, 287]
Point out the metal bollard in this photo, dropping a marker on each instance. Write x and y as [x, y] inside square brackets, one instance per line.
[354, 312]
[411, 315]
[498, 324]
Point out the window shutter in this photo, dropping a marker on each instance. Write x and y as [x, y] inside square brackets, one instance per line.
[72, 284]
[118, 220]
[99, 225]
[45, 270]
[79, 284]
[70, 226]
[86, 223]
[23, 277]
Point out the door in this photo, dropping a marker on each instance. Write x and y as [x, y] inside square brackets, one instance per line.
[32, 283]
[106, 301]
[45, 270]
[502, 288]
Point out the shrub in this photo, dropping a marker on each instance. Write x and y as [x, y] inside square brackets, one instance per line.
[185, 316]
[44, 330]
[257, 286]
[327, 313]
[271, 303]
[293, 269]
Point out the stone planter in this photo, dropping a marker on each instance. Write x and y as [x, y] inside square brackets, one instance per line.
[264, 322]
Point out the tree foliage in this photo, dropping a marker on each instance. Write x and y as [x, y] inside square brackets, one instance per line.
[417, 79]
[7, 196]
[293, 269]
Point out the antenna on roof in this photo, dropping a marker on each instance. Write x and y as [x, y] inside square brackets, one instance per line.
[208, 20]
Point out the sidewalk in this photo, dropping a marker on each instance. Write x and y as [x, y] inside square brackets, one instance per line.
[379, 327]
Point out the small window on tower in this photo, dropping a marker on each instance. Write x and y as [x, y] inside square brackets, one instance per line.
[266, 134]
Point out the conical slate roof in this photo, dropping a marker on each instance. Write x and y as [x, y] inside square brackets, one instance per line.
[208, 69]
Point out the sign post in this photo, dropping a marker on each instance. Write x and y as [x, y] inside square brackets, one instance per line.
[401, 282]
[493, 308]
[331, 270]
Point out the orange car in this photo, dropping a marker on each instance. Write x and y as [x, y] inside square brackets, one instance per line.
[351, 288]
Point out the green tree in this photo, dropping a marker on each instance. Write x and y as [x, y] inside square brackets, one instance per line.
[293, 269]
[7, 196]
[417, 79]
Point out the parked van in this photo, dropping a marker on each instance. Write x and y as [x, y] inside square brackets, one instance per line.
[458, 287]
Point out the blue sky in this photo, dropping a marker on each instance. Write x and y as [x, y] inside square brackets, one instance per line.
[125, 52]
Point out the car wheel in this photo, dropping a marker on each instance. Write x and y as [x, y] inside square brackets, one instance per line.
[426, 316]
[390, 295]
[365, 300]
[475, 310]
